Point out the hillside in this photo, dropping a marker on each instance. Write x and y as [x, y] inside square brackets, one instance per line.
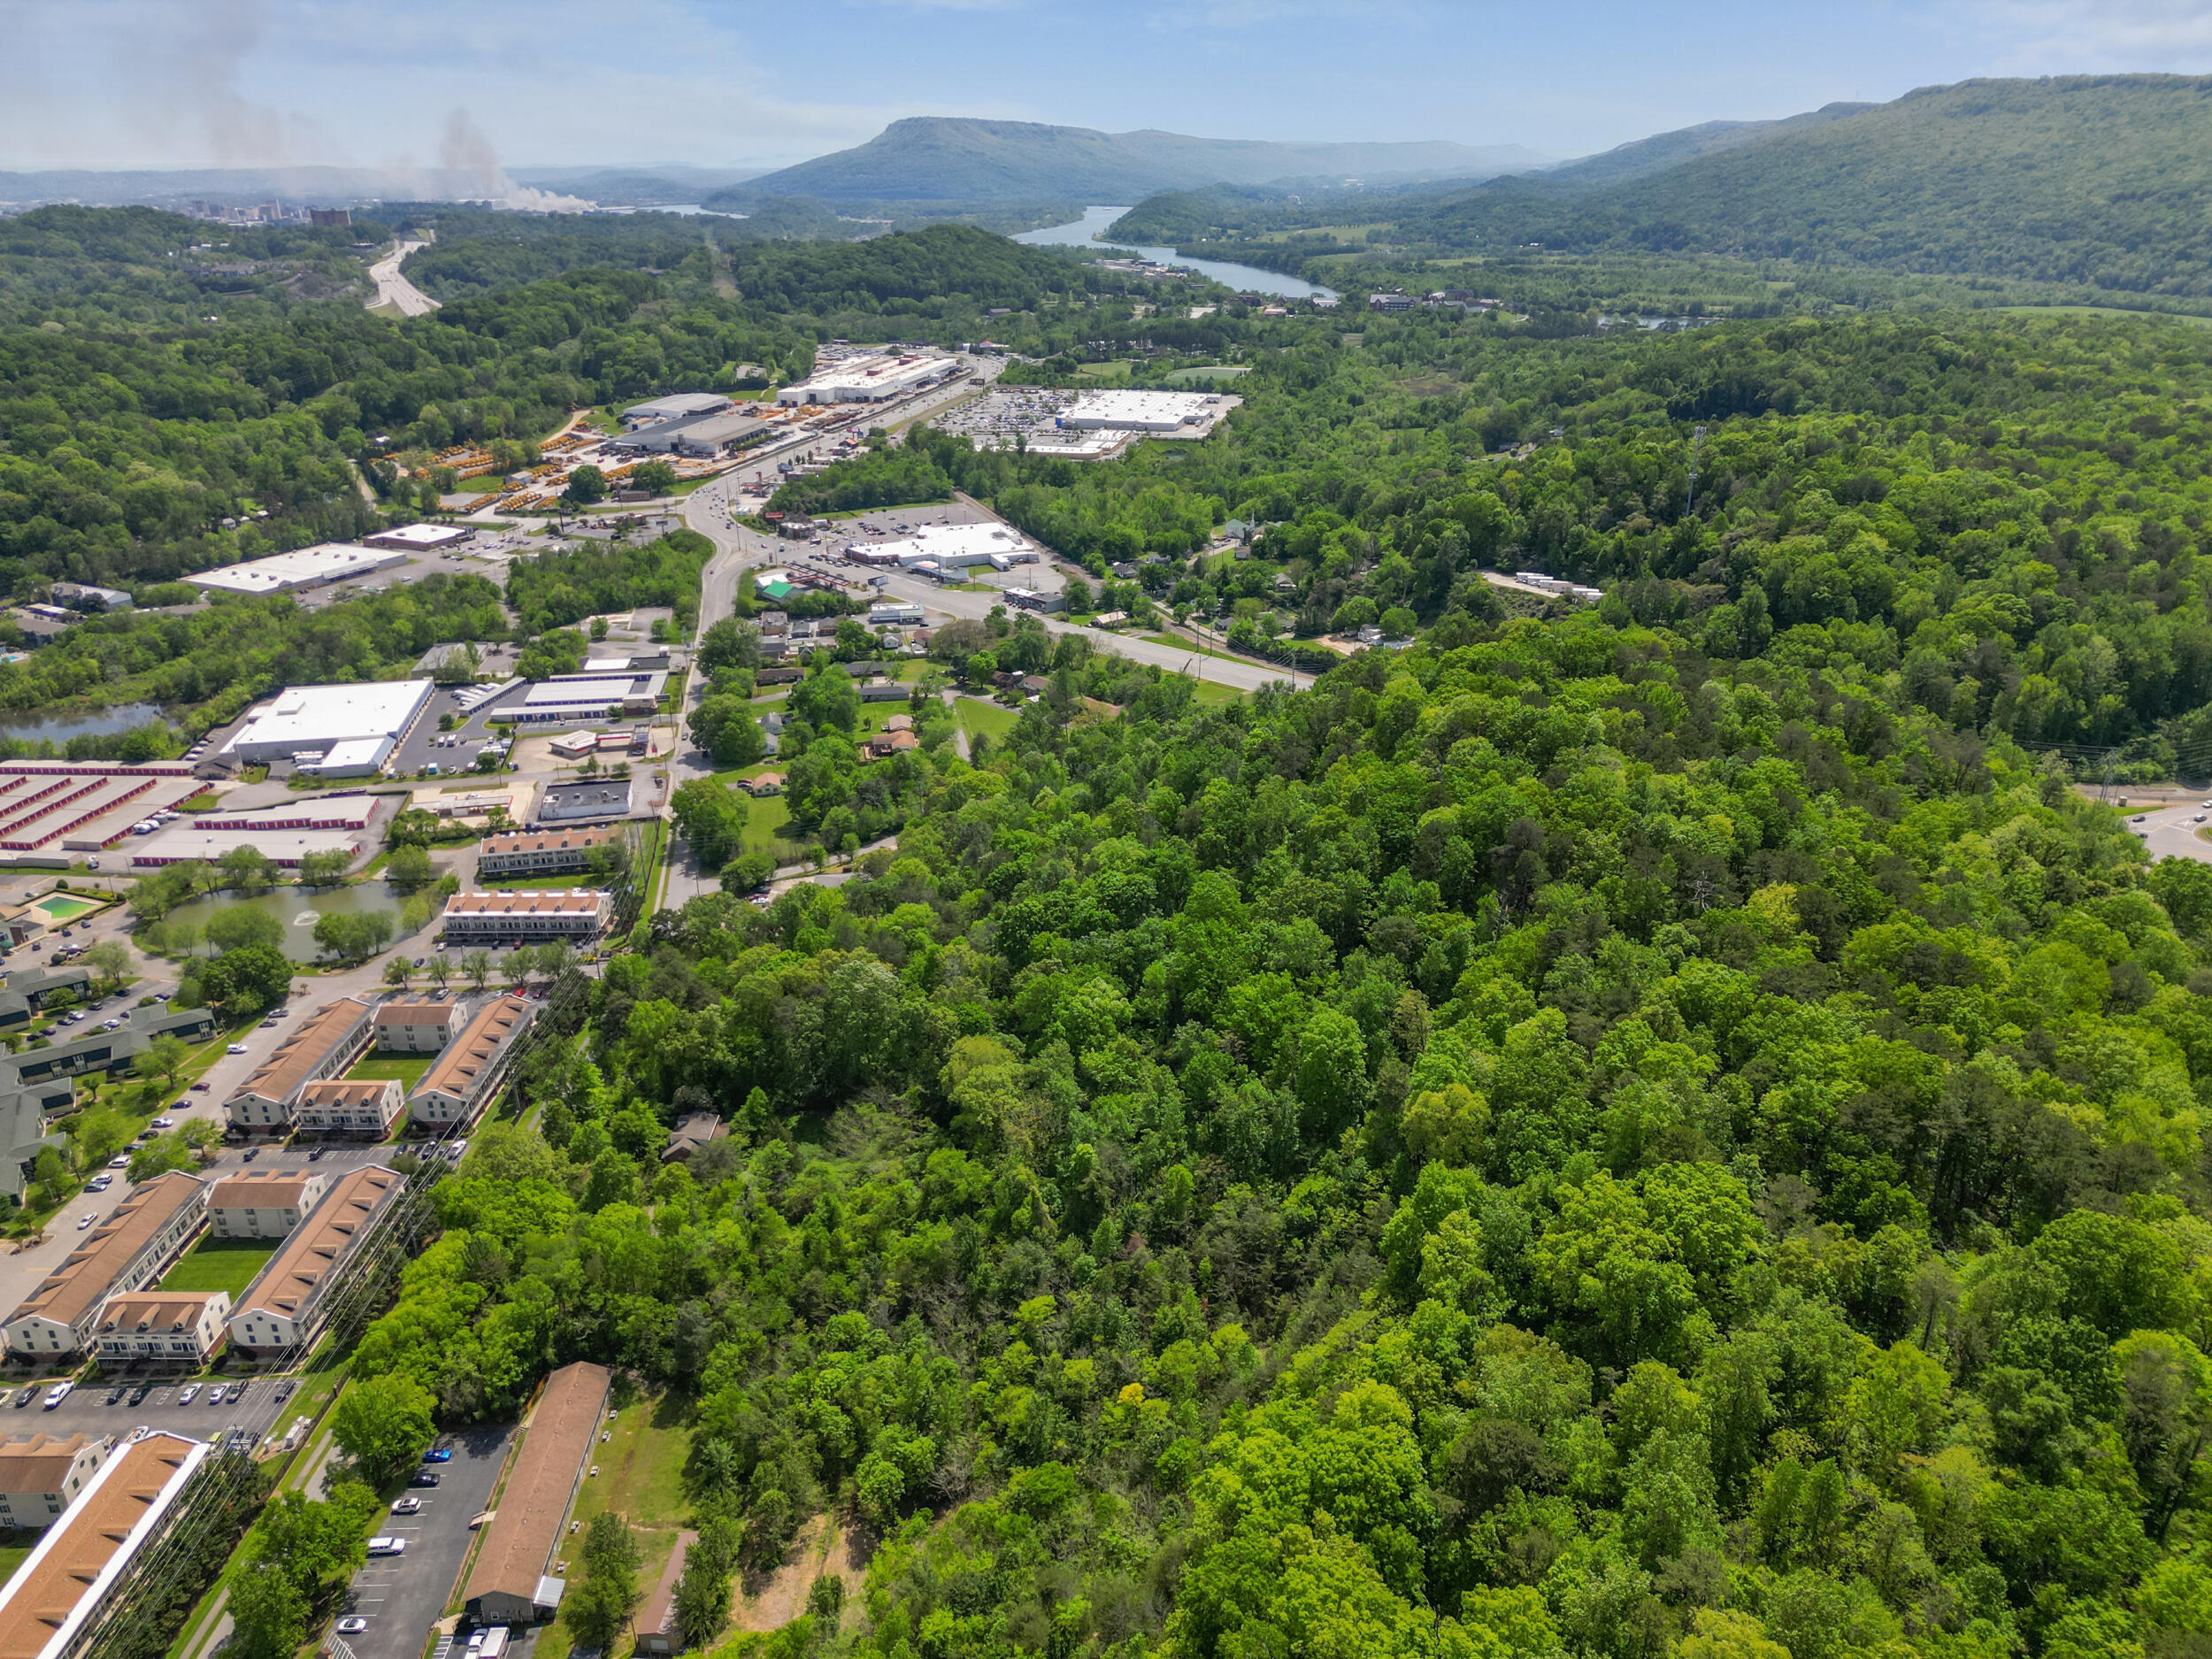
[943, 159]
[1663, 151]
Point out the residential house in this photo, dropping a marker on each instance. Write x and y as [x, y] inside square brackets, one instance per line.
[172, 1330]
[42, 1476]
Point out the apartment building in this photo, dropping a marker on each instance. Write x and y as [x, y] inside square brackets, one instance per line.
[174, 1330]
[363, 1107]
[58, 1593]
[511, 1583]
[130, 1250]
[541, 852]
[331, 1040]
[42, 1476]
[525, 917]
[469, 1074]
[263, 1203]
[417, 1024]
[287, 1305]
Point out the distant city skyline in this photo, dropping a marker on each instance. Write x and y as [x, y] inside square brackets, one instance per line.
[111, 84]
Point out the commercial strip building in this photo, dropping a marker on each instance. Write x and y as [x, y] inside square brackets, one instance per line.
[332, 1040]
[263, 1203]
[525, 918]
[511, 1582]
[584, 802]
[42, 1476]
[301, 568]
[57, 1595]
[282, 834]
[419, 538]
[1155, 414]
[175, 1330]
[130, 1250]
[469, 1072]
[350, 1106]
[569, 697]
[541, 852]
[349, 730]
[287, 1305]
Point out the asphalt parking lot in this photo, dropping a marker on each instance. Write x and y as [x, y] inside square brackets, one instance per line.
[403, 1596]
[86, 1411]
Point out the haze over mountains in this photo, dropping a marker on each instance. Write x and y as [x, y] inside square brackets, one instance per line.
[938, 158]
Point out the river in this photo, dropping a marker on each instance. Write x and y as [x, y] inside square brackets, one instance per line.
[62, 727]
[1086, 231]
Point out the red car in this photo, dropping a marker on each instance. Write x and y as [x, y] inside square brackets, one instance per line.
[200, 1088]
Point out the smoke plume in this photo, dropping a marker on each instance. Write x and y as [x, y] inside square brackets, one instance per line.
[472, 171]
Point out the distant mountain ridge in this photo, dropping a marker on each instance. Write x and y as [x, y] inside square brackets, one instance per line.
[944, 158]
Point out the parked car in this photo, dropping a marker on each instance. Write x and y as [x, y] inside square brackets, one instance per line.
[438, 1455]
[165, 1123]
[251, 1153]
[115, 1395]
[316, 1156]
[187, 1394]
[58, 1393]
[202, 1088]
[139, 1393]
[100, 1183]
[382, 1544]
[352, 1624]
[424, 1477]
[236, 1048]
[85, 1220]
[284, 1388]
[27, 1396]
[409, 1505]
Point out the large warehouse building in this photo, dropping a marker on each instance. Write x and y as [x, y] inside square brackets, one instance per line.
[948, 547]
[870, 379]
[301, 567]
[350, 730]
[1179, 414]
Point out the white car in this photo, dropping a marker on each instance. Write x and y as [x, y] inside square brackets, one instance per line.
[165, 1123]
[187, 1394]
[353, 1625]
[409, 1505]
[237, 1048]
[120, 1160]
[58, 1393]
[85, 1220]
[383, 1545]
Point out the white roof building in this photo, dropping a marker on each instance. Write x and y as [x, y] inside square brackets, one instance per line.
[320, 718]
[675, 407]
[302, 567]
[419, 538]
[947, 546]
[1145, 411]
[869, 380]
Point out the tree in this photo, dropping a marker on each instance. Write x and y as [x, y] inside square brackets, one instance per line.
[235, 927]
[294, 1563]
[478, 966]
[586, 485]
[246, 979]
[827, 698]
[656, 476]
[711, 819]
[325, 869]
[410, 869]
[728, 643]
[725, 728]
[397, 972]
[384, 1424]
[110, 959]
[162, 1154]
[703, 1594]
[439, 969]
[163, 1056]
[598, 1610]
[353, 936]
[246, 869]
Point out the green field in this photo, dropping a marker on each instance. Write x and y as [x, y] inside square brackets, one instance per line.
[12, 1554]
[408, 1067]
[765, 821]
[988, 719]
[221, 1264]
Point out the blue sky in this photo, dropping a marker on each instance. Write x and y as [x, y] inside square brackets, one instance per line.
[111, 83]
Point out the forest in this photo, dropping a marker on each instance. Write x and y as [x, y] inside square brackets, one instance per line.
[1545, 1143]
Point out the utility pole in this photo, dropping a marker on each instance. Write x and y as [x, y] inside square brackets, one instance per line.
[1697, 447]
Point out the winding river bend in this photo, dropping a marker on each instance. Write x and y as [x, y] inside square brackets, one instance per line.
[1087, 231]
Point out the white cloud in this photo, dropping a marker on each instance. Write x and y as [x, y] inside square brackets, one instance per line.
[2092, 36]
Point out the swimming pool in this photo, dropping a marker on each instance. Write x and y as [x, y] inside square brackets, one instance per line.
[61, 907]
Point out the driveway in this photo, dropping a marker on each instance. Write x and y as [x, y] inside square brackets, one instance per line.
[403, 1596]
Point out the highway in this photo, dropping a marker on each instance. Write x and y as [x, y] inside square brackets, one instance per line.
[2170, 832]
[392, 288]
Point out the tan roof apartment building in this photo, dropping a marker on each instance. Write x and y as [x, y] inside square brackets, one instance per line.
[148, 1231]
[42, 1476]
[57, 1595]
[541, 852]
[467, 1075]
[176, 1331]
[332, 1039]
[525, 918]
[511, 1582]
[350, 1106]
[415, 1025]
[263, 1203]
[288, 1304]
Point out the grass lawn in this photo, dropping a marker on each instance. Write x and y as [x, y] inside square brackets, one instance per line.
[408, 1067]
[1213, 691]
[766, 823]
[1181, 644]
[221, 1264]
[12, 1554]
[990, 719]
[548, 884]
[641, 1470]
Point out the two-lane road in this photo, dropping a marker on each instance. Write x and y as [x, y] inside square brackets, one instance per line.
[2170, 832]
